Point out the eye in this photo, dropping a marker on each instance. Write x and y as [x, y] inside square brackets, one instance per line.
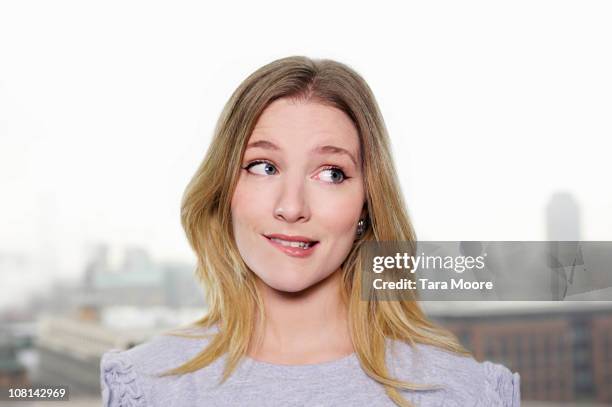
[336, 174]
[263, 164]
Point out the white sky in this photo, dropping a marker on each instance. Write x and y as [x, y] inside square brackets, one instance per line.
[107, 108]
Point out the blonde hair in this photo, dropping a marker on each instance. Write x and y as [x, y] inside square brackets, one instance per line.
[233, 299]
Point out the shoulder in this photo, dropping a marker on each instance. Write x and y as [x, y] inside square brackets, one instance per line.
[464, 380]
[125, 375]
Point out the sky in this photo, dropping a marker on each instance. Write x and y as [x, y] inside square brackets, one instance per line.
[107, 109]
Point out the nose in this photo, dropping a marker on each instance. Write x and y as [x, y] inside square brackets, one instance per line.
[291, 204]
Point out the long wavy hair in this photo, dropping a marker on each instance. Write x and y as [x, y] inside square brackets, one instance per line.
[234, 302]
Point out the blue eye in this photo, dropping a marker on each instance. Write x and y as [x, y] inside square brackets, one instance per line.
[336, 170]
[337, 175]
[257, 163]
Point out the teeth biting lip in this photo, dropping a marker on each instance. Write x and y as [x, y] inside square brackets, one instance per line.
[286, 238]
[293, 247]
[310, 243]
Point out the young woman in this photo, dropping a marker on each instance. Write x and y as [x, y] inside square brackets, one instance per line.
[299, 175]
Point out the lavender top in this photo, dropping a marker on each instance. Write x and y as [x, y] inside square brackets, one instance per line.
[127, 379]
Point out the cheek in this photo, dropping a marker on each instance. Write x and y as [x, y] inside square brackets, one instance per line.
[245, 199]
[340, 213]
[239, 194]
[248, 207]
[239, 209]
[242, 221]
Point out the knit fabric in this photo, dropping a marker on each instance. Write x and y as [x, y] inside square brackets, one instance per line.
[128, 378]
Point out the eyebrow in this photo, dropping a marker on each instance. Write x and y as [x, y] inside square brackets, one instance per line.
[327, 149]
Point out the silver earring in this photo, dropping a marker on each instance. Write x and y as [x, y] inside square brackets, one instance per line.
[360, 227]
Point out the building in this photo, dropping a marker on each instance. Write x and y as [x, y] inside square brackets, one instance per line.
[562, 350]
[12, 372]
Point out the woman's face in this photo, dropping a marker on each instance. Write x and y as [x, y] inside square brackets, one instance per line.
[300, 177]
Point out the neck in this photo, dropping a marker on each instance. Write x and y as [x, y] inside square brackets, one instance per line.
[309, 326]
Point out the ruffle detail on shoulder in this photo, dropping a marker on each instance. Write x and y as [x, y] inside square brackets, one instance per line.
[118, 382]
[503, 388]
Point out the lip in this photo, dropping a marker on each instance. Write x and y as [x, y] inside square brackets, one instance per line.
[290, 238]
[293, 251]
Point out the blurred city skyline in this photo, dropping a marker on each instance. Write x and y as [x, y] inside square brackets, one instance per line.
[60, 336]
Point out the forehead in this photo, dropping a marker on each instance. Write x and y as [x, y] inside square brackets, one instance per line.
[292, 123]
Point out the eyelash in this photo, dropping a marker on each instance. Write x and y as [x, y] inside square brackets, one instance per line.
[329, 167]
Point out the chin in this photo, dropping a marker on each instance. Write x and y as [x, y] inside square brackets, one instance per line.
[288, 285]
